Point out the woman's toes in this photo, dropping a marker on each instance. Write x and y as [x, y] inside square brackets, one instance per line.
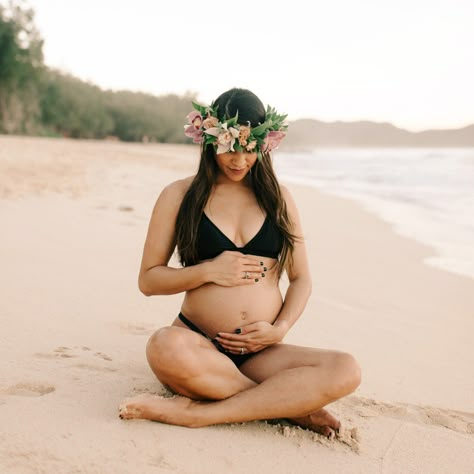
[127, 410]
[326, 431]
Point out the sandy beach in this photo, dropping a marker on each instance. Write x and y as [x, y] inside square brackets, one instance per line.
[74, 325]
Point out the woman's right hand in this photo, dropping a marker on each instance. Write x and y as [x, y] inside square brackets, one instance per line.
[232, 268]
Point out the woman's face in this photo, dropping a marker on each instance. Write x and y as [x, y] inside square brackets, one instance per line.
[235, 165]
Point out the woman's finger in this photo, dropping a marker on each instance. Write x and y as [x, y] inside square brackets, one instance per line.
[247, 281]
[234, 349]
[255, 269]
[230, 344]
[239, 352]
[233, 336]
[256, 326]
[250, 277]
[252, 261]
[247, 350]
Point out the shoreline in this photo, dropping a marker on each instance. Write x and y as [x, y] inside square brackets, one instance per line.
[423, 193]
[439, 257]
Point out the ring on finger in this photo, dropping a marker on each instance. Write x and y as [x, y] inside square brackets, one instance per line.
[242, 350]
[246, 275]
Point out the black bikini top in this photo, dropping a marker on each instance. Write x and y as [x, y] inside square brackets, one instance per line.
[211, 241]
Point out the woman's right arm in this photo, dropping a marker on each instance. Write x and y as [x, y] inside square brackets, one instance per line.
[156, 278]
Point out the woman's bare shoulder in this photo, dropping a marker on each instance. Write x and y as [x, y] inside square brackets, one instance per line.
[174, 192]
[287, 196]
[171, 196]
[291, 207]
[178, 188]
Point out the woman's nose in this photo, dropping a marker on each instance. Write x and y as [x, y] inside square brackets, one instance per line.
[238, 157]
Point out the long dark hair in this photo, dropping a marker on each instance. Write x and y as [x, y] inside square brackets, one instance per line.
[265, 185]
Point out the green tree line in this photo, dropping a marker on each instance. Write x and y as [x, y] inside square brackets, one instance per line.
[37, 100]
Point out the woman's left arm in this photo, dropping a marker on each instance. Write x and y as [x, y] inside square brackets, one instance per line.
[256, 336]
[299, 276]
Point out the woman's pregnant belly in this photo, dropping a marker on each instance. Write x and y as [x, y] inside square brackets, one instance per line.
[213, 308]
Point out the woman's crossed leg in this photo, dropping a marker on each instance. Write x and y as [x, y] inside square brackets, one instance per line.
[282, 381]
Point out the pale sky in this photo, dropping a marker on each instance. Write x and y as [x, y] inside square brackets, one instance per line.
[408, 62]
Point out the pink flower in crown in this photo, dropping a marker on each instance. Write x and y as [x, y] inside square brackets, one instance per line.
[272, 141]
[225, 137]
[210, 122]
[194, 128]
[251, 145]
[244, 133]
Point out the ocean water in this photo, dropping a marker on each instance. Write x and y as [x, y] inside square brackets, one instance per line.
[427, 194]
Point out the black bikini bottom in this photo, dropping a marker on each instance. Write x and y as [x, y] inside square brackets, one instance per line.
[237, 359]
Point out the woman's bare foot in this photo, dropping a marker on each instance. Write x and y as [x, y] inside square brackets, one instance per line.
[177, 411]
[320, 421]
[174, 411]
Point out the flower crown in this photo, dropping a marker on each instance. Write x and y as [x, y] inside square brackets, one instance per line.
[204, 127]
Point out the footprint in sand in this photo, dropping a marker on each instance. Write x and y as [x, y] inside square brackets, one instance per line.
[94, 367]
[137, 329]
[82, 352]
[28, 390]
[103, 356]
[462, 422]
[162, 463]
[61, 351]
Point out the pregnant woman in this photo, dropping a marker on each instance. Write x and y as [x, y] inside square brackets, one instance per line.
[236, 230]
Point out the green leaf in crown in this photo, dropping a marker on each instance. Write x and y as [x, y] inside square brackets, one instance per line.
[201, 109]
[233, 121]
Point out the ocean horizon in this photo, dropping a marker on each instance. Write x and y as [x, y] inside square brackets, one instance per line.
[426, 193]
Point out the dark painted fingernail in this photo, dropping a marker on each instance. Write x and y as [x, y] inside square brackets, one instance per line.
[261, 263]
[263, 274]
[256, 279]
[264, 269]
[238, 331]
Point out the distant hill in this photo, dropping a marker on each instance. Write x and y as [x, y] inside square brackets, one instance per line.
[309, 133]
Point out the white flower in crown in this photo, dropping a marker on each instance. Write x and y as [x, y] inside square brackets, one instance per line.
[226, 137]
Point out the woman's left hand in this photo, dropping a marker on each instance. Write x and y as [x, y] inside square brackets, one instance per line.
[252, 338]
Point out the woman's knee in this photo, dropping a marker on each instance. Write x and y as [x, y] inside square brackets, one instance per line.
[166, 348]
[346, 374]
